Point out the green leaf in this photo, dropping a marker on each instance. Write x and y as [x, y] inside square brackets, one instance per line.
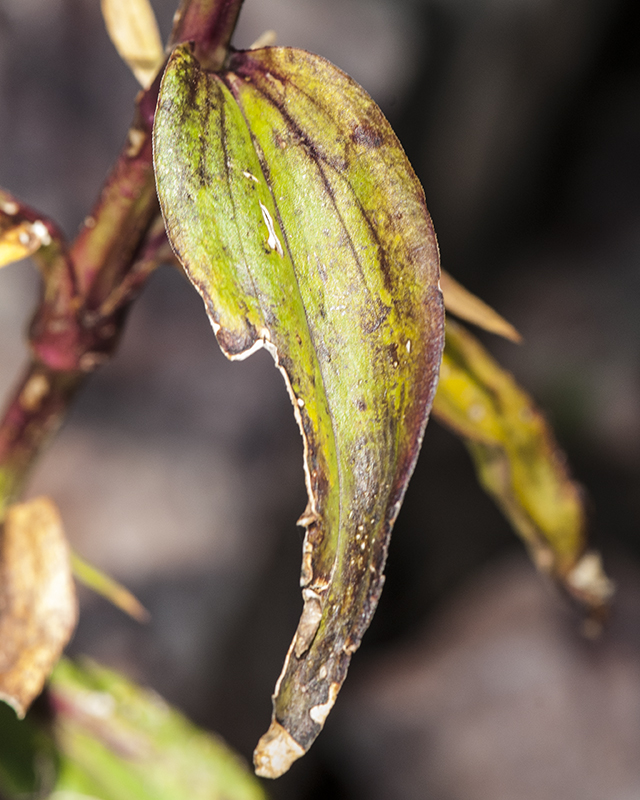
[116, 741]
[295, 212]
[110, 589]
[106, 738]
[519, 463]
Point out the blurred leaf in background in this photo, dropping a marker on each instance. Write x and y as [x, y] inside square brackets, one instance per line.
[112, 740]
[520, 464]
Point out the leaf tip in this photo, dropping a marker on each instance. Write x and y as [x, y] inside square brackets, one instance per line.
[110, 589]
[14, 702]
[462, 303]
[587, 580]
[276, 752]
[266, 39]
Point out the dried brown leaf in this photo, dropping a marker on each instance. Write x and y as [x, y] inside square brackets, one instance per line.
[462, 303]
[133, 29]
[38, 607]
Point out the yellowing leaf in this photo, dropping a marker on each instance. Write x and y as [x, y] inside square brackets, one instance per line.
[297, 216]
[460, 301]
[37, 600]
[519, 463]
[133, 29]
[110, 589]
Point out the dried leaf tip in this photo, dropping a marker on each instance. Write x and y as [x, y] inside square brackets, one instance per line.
[589, 582]
[462, 303]
[266, 39]
[133, 29]
[276, 752]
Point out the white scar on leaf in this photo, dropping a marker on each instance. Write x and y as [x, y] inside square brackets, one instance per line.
[273, 241]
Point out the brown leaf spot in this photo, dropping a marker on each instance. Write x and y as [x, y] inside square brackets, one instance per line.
[309, 622]
[366, 136]
[320, 713]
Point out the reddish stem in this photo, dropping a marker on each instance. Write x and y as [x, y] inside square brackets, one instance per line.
[210, 25]
[88, 288]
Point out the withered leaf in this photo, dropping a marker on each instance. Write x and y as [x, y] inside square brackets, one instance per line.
[37, 599]
[297, 216]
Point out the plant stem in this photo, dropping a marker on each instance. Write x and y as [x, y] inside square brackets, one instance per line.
[88, 289]
[34, 415]
[210, 24]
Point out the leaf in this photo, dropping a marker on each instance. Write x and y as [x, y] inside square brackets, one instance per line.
[104, 585]
[117, 741]
[133, 29]
[460, 302]
[37, 600]
[108, 739]
[519, 463]
[20, 234]
[297, 216]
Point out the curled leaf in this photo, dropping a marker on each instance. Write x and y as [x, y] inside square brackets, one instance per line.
[519, 463]
[133, 29]
[110, 589]
[37, 600]
[462, 303]
[297, 216]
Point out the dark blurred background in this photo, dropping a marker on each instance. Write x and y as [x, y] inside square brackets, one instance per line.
[180, 473]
